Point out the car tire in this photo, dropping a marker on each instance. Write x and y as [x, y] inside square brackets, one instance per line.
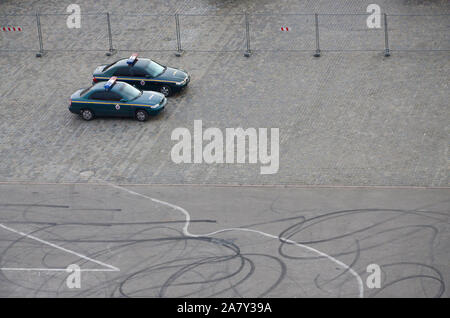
[165, 90]
[87, 114]
[141, 115]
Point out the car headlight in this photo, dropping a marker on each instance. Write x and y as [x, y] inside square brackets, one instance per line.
[182, 82]
[155, 106]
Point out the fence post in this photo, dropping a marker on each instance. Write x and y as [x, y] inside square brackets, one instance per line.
[111, 49]
[316, 19]
[179, 51]
[248, 52]
[387, 52]
[41, 44]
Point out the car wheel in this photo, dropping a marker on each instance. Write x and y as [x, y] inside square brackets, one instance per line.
[165, 90]
[87, 114]
[141, 115]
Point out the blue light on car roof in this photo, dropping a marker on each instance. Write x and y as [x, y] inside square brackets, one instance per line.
[132, 59]
[109, 84]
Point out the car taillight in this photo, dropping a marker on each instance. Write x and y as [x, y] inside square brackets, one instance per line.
[95, 80]
[70, 100]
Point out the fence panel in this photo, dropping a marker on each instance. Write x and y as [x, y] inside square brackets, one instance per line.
[143, 32]
[221, 33]
[18, 33]
[212, 32]
[92, 34]
[298, 32]
[419, 32]
[342, 32]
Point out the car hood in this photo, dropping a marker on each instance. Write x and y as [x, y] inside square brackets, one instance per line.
[172, 74]
[149, 98]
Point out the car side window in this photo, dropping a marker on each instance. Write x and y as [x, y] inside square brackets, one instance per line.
[113, 96]
[122, 71]
[139, 72]
[98, 95]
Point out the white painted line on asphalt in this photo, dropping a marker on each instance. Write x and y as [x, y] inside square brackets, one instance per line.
[187, 233]
[36, 269]
[110, 267]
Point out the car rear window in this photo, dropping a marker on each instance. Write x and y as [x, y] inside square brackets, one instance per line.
[85, 91]
[108, 66]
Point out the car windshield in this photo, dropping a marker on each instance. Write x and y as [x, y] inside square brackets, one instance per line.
[154, 69]
[129, 92]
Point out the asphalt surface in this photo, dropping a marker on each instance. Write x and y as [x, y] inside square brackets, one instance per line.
[157, 254]
[363, 173]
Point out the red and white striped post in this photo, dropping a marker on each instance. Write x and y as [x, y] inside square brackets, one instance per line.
[11, 28]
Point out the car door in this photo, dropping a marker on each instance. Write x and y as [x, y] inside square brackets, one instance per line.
[142, 79]
[108, 104]
[98, 104]
[119, 107]
[116, 108]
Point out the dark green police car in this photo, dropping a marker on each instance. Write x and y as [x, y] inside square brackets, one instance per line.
[116, 99]
[144, 74]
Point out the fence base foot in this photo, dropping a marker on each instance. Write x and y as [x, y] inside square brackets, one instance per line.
[248, 53]
[179, 53]
[111, 52]
[317, 53]
[40, 54]
[387, 53]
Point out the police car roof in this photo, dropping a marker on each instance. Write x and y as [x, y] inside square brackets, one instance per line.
[100, 86]
[140, 61]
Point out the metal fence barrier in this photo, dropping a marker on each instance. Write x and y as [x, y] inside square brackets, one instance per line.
[246, 32]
